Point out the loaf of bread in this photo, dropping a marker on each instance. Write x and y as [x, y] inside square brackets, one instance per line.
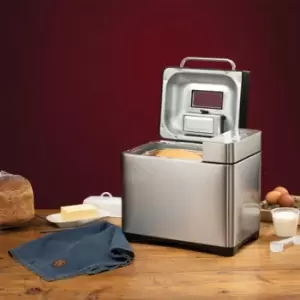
[178, 153]
[16, 200]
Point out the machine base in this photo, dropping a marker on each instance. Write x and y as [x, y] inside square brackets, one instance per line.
[220, 251]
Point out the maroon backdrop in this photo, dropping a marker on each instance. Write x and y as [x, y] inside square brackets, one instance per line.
[81, 82]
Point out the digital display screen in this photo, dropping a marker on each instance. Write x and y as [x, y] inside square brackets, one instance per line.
[207, 99]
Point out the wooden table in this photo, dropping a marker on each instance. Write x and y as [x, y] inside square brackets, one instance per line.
[161, 273]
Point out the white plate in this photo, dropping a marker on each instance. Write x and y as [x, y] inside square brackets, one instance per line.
[56, 219]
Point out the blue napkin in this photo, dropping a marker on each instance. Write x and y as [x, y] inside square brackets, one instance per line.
[90, 249]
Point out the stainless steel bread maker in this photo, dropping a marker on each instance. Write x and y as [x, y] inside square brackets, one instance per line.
[210, 204]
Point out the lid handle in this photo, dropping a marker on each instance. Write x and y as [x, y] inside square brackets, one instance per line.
[231, 62]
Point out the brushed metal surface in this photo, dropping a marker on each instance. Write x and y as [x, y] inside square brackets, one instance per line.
[211, 59]
[175, 199]
[224, 149]
[192, 201]
[246, 199]
[209, 125]
[178, 86]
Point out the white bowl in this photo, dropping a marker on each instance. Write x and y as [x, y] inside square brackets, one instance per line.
[56, 219]
[106, 202]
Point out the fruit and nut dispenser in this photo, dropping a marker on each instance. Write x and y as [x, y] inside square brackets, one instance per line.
[199, 186]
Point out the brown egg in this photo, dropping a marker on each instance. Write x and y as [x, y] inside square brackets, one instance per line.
[281, 189]
[272, 197]
[286, 200]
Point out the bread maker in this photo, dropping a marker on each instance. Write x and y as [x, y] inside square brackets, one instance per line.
[210, 204]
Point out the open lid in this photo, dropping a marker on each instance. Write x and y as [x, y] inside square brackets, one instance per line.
[198, 104]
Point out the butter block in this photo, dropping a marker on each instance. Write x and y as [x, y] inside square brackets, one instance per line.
[78, 212]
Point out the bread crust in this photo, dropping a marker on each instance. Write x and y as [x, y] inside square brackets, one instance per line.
[177, 153]
[16, 200]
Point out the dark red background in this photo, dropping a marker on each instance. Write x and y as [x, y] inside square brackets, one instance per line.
[81, 82]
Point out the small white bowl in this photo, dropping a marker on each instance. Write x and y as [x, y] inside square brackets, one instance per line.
[56, 219]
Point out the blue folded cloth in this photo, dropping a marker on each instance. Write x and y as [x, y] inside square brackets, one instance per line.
[89, 250]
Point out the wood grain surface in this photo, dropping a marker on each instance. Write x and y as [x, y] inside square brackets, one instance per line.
[161, 273]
